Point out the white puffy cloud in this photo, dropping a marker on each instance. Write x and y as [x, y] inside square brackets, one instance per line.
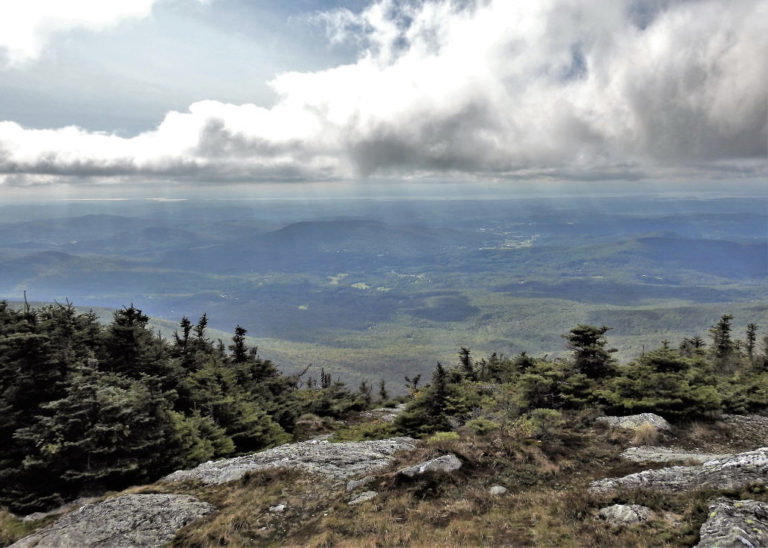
[26, 26]
[487, 89]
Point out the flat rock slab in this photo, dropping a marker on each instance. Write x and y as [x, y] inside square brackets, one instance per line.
[127, 521]
[734, 472]
[732, 524]
[649, 453]
[446, 463]
[633, 422]
[338, 461]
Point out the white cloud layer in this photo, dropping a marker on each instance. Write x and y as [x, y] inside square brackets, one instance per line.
[488, 89]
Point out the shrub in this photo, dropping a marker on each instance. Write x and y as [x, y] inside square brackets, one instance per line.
[439, 438]
[546, 422]
[482, 426]
[365, 431]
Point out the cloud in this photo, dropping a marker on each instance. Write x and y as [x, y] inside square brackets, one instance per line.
[485, 89]
[26, 27]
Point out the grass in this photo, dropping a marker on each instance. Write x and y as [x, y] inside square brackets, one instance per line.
[547, 503]
[13, 528]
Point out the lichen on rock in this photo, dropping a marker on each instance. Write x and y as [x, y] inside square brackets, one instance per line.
[121, 522]
[735, 523]
[339, 461]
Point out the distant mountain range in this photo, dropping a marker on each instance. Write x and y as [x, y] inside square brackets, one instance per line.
[347, 275]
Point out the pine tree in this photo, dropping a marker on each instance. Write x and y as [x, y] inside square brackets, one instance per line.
[383, 394]
[589, 353]
[465, 362]
[238, 346]
[723, 347]
[751, 339]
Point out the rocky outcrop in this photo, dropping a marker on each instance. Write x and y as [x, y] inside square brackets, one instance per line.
[649, 453]
[734, 524]
[126, 521]
[733, 472]
[620, 515]
[356, 483]
[384, 414]
[339, 461]
[68, 507]
[633, 422]
[446, 463]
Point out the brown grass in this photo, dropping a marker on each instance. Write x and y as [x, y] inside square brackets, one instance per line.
[547, 503]
[646, 434]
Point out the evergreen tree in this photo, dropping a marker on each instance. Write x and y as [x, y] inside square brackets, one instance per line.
[364, 390]
[202, 323]
[428, 412]
[412, 384]
[465, 362]
[723, 347]
[751, 339]
[383, 394]
[131, 349]
[589, 354]
[238, 346]
[183, 340]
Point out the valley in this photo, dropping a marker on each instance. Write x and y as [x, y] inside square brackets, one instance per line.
[381, 288]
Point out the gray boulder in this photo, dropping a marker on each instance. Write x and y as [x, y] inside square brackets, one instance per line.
[633, 422]
[647, 453]
[126, 521]
[446, 463]
[735, 524]
[733, 472]
[363, 497]
[620, 515]
[337, 461]
[497, 490]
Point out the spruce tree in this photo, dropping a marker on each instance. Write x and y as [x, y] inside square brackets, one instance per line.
[589, 354]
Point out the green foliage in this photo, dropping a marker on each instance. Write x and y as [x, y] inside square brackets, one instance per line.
[682, 383]
[439, 438]
[365, 431]
[589, 354]
[84, 408]
[482, 426]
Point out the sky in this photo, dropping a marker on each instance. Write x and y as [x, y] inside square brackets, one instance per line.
[206, 94]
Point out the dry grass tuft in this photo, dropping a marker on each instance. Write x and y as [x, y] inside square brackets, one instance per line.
[646, 434]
